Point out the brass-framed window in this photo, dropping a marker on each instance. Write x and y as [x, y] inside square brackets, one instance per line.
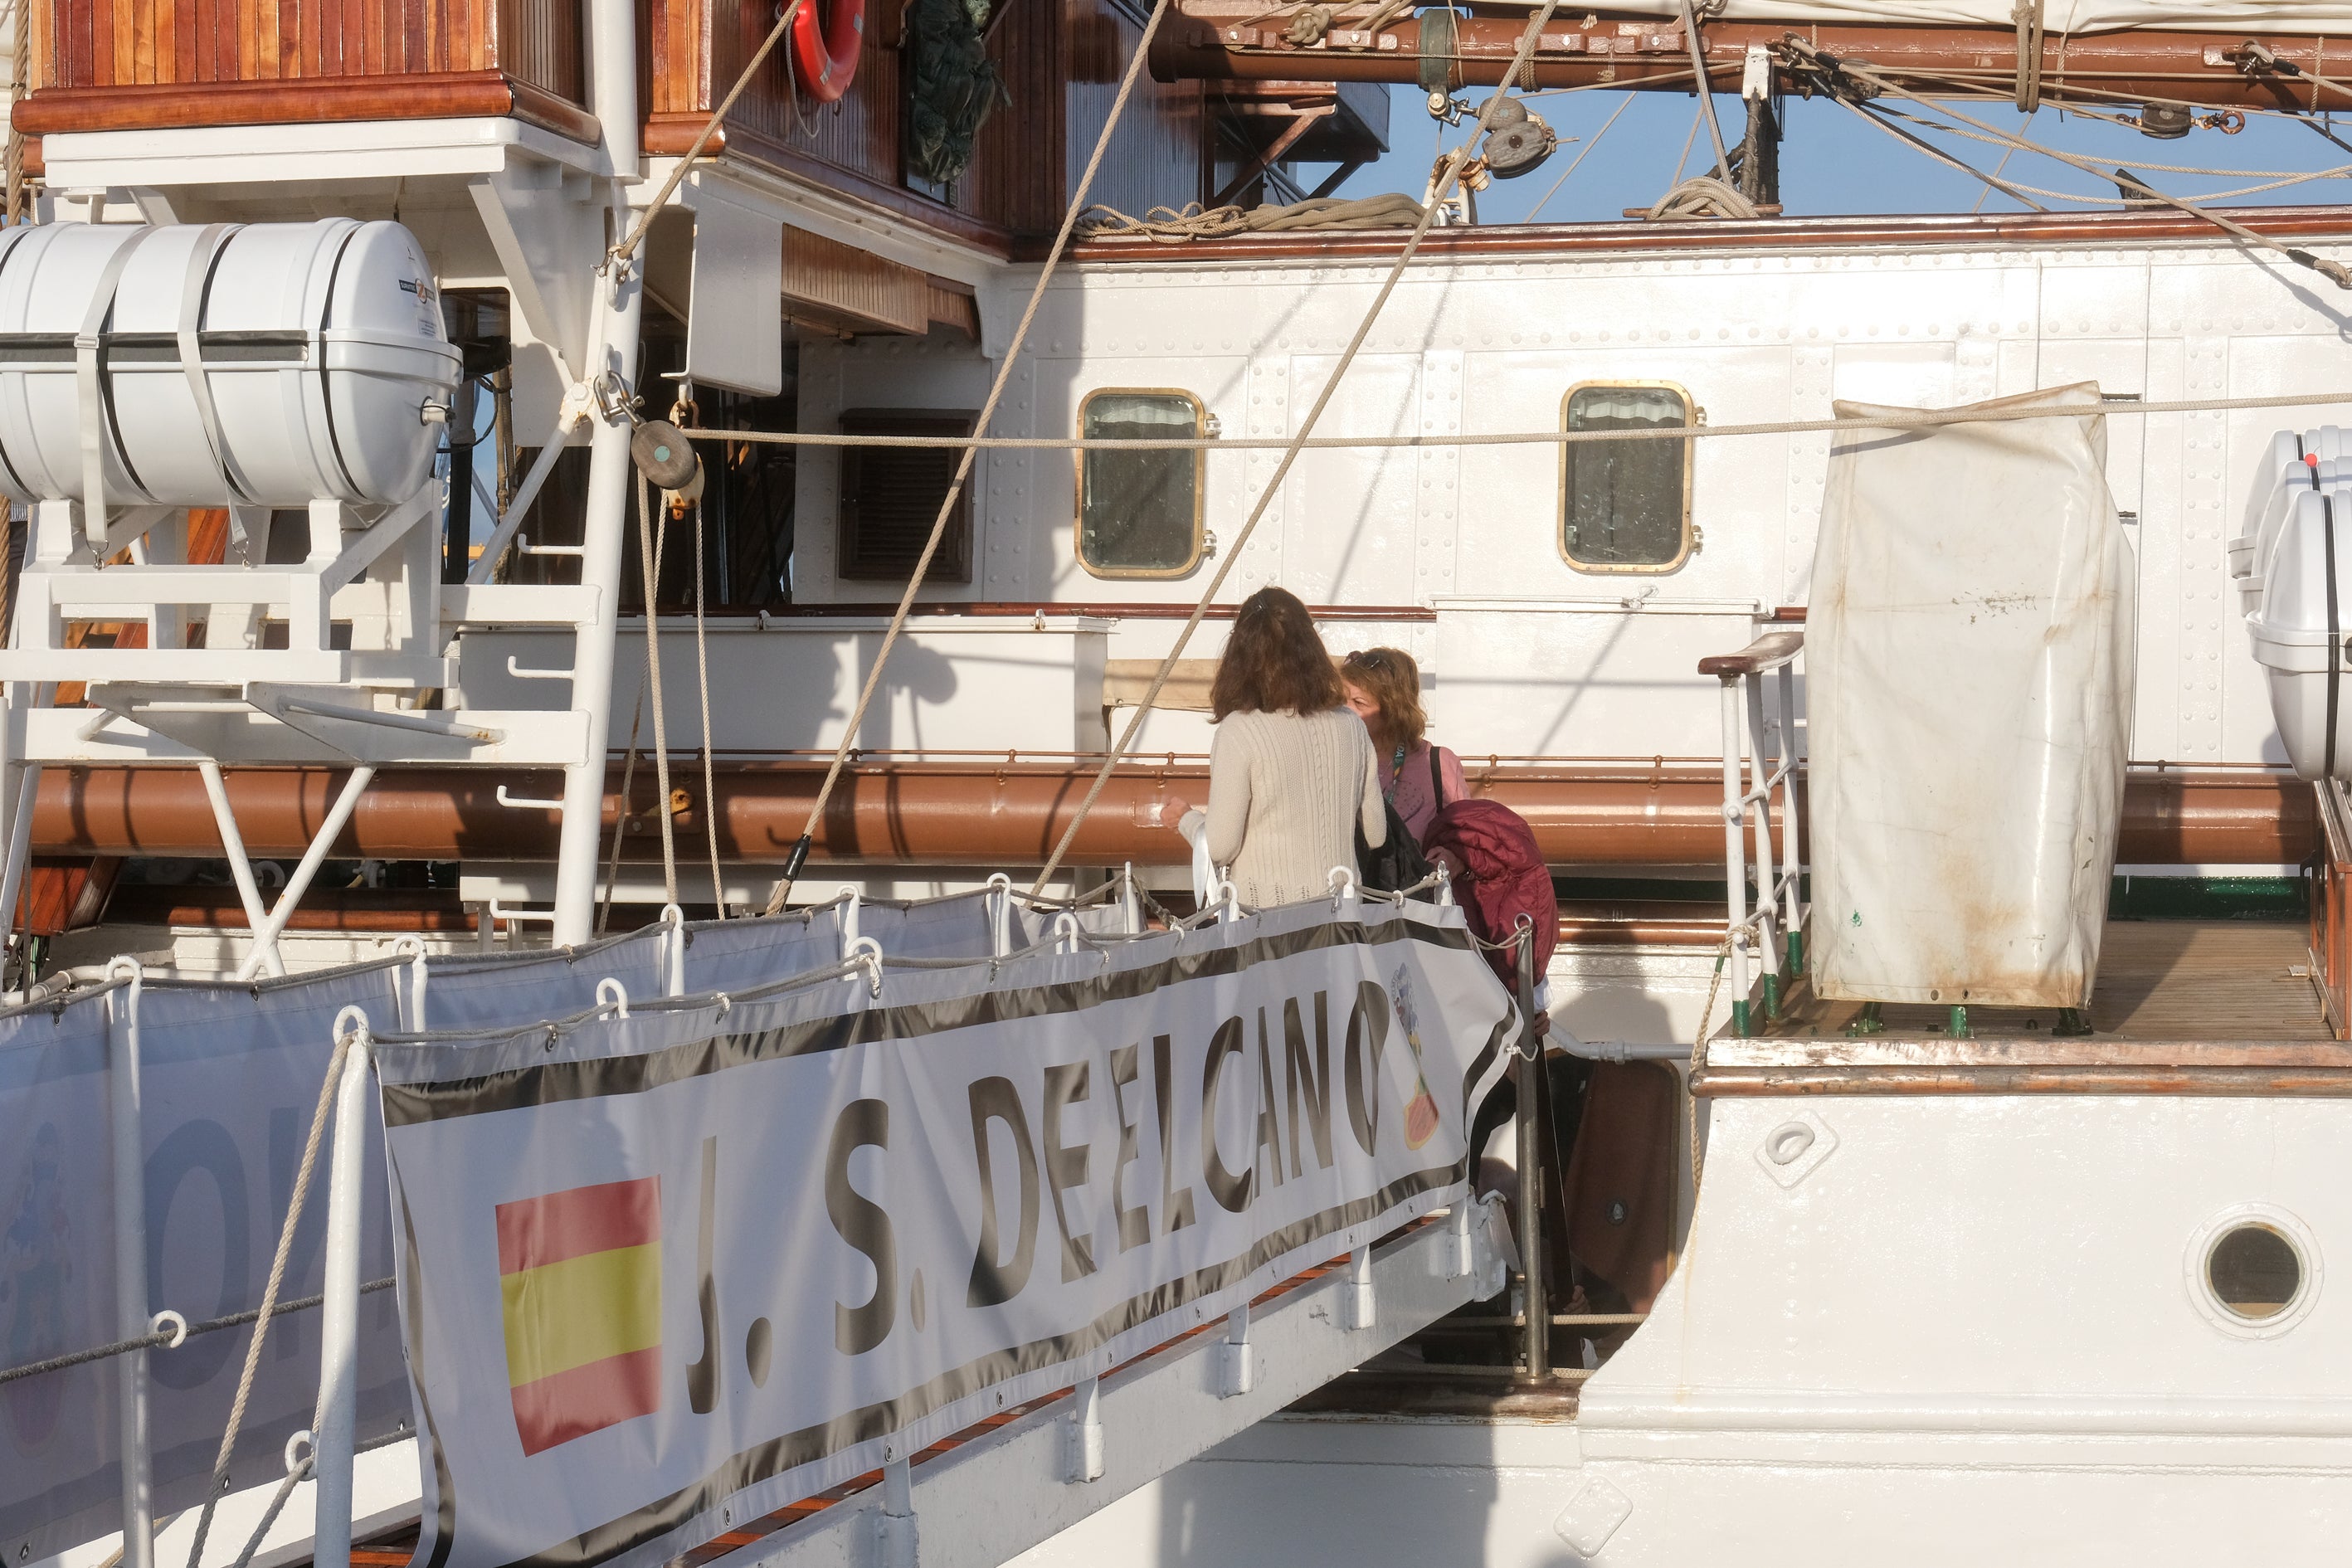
[1625, 505]
[1138, 514]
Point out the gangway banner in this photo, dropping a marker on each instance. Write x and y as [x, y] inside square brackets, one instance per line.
[671, 1271]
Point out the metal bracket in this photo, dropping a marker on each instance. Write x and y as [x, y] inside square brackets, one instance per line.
[1085, 1431]
[1236, 1361]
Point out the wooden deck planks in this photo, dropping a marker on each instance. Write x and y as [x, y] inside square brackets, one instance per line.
[2158, 980]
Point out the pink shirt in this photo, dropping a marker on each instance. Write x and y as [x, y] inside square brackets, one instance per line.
[1407, 786]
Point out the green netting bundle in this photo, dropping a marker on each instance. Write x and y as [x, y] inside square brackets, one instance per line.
[952, 87]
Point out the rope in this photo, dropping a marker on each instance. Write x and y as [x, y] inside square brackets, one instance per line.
[270, 1294]
[1998, 170]
[2334, 271]
[1991, 181]
[1703, 83]
[702, 680]
[1580, 158]
[963, 469]
[620, 818]
[636, 237]
[1698, 1051]
[650, 553]
[2017, 142]
[2030, 17]
[295, 1478]
[1703, 198]
[1176, 225]
[1921, 419]
[1440, 189]
[21, 31]
[164, 1340]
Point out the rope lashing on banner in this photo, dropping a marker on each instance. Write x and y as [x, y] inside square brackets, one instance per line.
[295, 1476]
[850, 731]
[1448, 174]
[326, 1088]
[649, 550]
[172, 1338]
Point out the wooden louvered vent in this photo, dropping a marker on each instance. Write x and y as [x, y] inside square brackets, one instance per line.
[890, 496]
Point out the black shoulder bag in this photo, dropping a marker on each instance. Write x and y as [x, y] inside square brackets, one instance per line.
[1398, 863]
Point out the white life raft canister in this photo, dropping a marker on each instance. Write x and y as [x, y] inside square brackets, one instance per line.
[261, 364]
[2301, 630]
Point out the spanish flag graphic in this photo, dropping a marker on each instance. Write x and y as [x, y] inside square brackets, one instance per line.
[580, 1278]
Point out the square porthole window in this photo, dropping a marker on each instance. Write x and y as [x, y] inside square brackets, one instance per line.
[1140, 512]
[1625, 505]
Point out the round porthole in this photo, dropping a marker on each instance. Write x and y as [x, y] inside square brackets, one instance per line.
[2253, 1270]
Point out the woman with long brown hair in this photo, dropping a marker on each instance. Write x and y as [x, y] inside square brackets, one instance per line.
[1383, 687]
[1292, 777]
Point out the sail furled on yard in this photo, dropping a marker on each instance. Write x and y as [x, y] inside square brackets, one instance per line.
[1970, 682]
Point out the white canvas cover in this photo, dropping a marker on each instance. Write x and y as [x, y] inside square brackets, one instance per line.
[1968, 654]
[2246, 16]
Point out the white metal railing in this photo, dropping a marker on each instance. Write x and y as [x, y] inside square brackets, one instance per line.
[1760, 769]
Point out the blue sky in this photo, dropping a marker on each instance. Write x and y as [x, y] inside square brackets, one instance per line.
[1831, 161]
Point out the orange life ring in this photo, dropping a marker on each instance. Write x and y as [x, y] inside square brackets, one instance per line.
[825, 47]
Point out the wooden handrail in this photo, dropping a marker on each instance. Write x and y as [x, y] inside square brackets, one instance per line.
[1769, 651]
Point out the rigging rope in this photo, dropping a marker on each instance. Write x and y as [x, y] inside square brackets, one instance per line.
[1921, 419]
[849, 734]
[1440, 188]
[650, 550]
[702, 679]
[636, 237]
[269, 1292]
[620, 818]
[1992, 181]
[1703, 84]
[2334, 271]
[1586, 152]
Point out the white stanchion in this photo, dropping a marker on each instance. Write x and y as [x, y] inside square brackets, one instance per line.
[130, 1260]
[339, 1314]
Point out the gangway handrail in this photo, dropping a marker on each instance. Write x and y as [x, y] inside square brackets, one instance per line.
[1752, 779]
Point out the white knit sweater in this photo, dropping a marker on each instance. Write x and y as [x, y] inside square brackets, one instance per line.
[1286, 794]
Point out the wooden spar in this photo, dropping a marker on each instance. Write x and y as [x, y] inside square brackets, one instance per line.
[1225, 40]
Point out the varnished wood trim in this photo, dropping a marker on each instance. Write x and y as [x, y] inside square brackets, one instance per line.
[2025, 1051]
[2201, 1082]
[1547, 242]
[672, 135]
[440, 95]
[1168, 610]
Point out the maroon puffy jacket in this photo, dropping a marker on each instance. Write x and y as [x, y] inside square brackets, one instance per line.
[1502, 876]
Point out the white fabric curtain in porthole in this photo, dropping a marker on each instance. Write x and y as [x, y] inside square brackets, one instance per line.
[1140, 512]
[1625, 504]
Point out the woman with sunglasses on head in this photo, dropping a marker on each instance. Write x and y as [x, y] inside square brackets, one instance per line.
[1292, 777]
[1383, 688]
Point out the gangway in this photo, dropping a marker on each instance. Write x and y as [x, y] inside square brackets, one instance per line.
[981, 1498]
[1059, 1401]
